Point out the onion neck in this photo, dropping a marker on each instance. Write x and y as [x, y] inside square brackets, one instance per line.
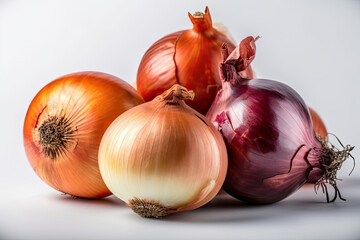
[230, 75]
[228, 72]
[235, 63]
[176, 94]
[201, 21]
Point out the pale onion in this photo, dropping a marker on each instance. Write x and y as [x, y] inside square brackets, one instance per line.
[64, 126]
[163, 157]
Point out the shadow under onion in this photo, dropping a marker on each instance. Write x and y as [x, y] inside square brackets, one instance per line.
[106, 201]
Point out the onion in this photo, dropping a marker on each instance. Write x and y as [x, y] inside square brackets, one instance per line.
[271, 144]
[318, 124]
[189, 58]
[64, 125]
[163, 157]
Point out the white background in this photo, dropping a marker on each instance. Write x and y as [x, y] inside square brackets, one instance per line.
[313, 46]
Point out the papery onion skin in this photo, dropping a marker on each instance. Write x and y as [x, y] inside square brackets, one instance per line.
[163, 157]
[64, 125]
[318, 124]
[320, 131]
[189, 58]
[260, 149]
[272, 147]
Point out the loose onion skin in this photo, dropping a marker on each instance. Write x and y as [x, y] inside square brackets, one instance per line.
[320, 131]
[163, 157]
[189, 58]
[271, 144]
[64, 125]
[318, 124]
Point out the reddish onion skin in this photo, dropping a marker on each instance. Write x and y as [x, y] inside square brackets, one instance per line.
[318, 124]
[320, 131]
[271, 145]
[189, 58]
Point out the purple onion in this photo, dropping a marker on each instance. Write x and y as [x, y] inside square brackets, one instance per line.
[271, 144]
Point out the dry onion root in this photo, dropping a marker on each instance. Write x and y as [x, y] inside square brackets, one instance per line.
[64, 125]
[163, 157]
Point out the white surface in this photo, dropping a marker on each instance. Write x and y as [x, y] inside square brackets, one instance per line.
[46, 215]
[311, 45]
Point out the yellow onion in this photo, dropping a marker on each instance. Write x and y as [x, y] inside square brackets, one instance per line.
[163, 157]
[64, 126]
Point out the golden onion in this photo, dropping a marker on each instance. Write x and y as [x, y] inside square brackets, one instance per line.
[163, 157]
[64, 126]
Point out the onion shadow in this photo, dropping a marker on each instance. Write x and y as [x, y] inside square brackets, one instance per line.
[223, 208]
[105, 201]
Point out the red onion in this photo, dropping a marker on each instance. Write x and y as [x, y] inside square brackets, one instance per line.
[272, 147]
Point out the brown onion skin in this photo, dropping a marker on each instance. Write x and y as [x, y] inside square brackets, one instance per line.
[190, 58]
[89, 101]
[318, 124]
